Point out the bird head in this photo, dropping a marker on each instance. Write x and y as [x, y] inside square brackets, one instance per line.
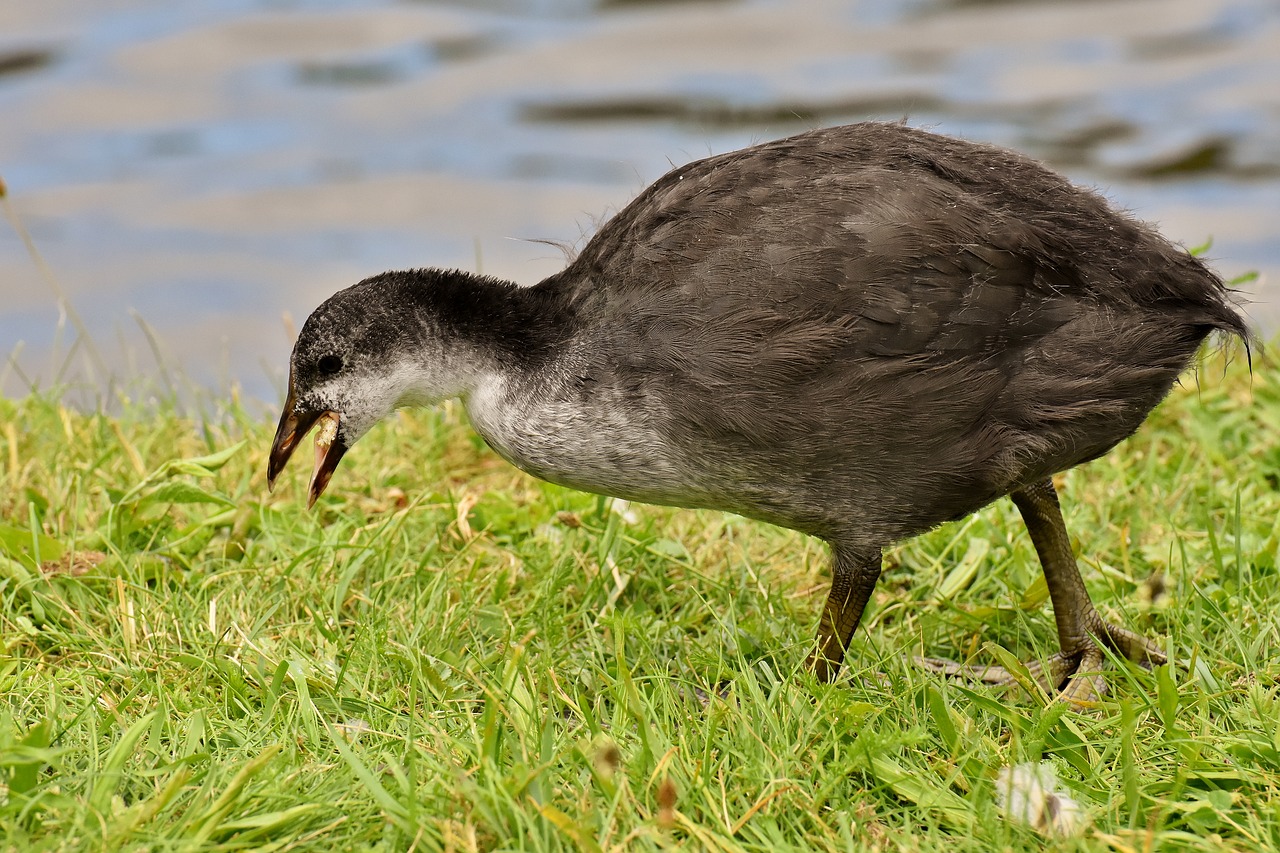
[401, 339]
[363, 353]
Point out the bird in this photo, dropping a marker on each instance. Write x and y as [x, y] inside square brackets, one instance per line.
[857, 332]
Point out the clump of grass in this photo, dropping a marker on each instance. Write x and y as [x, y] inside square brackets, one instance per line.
[449, 655]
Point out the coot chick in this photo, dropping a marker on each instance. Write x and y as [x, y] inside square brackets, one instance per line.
[858, 332]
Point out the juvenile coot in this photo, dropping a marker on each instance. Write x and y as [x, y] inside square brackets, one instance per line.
[859, 333]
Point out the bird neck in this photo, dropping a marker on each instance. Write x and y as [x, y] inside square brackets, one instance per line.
[495, 325]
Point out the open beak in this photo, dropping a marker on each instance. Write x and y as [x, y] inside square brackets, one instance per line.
[294, 427]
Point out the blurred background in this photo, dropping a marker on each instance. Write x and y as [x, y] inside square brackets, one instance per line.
[205, 174]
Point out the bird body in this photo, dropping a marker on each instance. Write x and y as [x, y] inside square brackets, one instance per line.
[858, 332]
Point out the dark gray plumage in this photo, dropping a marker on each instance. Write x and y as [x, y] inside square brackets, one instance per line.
[859, 333]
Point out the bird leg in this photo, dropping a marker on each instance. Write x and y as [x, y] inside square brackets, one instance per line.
[854, 573]
[1080, 629]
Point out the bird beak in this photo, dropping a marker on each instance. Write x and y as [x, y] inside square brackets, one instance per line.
[293, 427]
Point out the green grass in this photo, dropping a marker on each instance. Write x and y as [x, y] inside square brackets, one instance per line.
[446, 654]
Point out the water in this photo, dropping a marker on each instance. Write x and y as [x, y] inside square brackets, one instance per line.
[216, 168]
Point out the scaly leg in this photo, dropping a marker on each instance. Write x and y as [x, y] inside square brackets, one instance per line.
[1080, 628]
[854, 573]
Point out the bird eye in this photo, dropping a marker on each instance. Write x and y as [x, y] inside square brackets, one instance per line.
[329, 364]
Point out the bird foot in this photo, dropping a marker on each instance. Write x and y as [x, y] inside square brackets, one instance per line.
[1080, 671]
[822, 667]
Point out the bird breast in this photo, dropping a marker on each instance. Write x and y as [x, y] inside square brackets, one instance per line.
[593, 440]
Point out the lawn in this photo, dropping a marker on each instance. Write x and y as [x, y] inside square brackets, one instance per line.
[446, 654]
